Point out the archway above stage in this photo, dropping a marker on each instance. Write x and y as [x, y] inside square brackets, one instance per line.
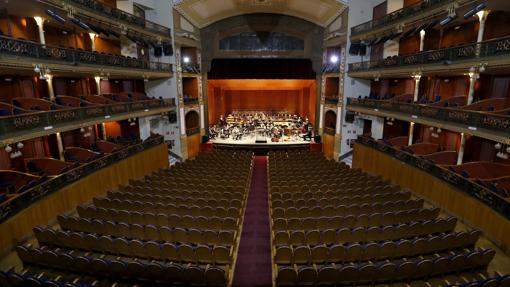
[293, 96]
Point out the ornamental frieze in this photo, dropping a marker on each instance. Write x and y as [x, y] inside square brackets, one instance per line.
[406, 108]
[410, 60]
[137, 106]
[118, 108]
[26, 121]
[64, 115]
[467, 51]
[496, 122]
[94, 111]
[503, 45]
[386, 105]
[435, 56]
[458, 116]
[429, 112]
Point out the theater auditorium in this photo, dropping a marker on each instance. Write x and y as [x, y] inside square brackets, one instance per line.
[254, 143]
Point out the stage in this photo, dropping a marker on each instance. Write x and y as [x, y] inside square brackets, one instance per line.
[249, 143]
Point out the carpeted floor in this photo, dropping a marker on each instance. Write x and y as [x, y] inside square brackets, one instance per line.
[253, 267]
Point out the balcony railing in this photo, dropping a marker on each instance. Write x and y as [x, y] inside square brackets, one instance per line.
[495, 47]
[397, 15]
[475, 190]
[120, 16]
[48, 120]
[483, 120]
[23, 48]
[191, 68]
[24, 199]
[331, 100]
[190, 101]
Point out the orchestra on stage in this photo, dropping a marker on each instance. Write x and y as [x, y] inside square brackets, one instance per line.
[262, 126]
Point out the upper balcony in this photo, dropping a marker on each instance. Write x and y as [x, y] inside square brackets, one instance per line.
[490, 125]
[495, 52]
[21, 54]
[407, 14]
[28, 118]
[112, 15]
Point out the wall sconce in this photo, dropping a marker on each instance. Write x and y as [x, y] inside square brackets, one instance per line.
[434, 132]
[389, 121]
[503, 150]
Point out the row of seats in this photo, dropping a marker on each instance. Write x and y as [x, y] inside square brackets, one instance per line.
[148, 232]
[353, 209]
[212, 199]
[332, 191]
[181, 210]
[369, 273]
[161, 219]
[340, 200]
[364, 234]
[217, 254]
[351, 221]
[133, 270]
[338, 253]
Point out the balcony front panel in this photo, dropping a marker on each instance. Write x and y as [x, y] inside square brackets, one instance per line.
[74, 57]
[29, 125]
[483, 124]
[495, 49]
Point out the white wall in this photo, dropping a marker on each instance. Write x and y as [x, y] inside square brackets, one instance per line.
[359, 12]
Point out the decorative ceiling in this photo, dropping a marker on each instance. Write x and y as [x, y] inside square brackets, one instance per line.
[204, 12]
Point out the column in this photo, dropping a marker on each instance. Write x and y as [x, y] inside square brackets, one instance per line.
[321, 119]
[92, 40]
[103, 127]
[422, 39]
[482, 16]
[202, 119]
[473, 76]
[417, 78]
[411, 132]
[184, 138]
[338, 133]
[40, 26]
[97, 79]
[49, 81]
[460, 154]
[60, 146]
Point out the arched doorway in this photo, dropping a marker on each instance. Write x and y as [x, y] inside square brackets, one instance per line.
[192, 120]
[329, 134]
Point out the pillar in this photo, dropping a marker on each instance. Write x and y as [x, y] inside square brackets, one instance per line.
[92, 40]
[411, 132]
[202, 120]
[321, 118]
[473, 76]
[60, 146]
[184, 138]
[422, 39]
[40, 27]
[97, 79]
[49, 81]
[460, 154]
[338, 133]
[482, 16]
[103, 127]
[417, 78]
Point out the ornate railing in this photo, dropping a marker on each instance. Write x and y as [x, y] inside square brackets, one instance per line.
[484, 120]
[24, 199]
[331, 100]
[397, 15]
[475, 190]
[120, 16]
[190, 101]
[191, 68]
[23, 48]
[11, 125]
[495, 47]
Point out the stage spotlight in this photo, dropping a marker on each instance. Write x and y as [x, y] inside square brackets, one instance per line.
[333, 59]
[55, 16]
[448, 20]
[80, 24]
[186, 59]
[475, 9]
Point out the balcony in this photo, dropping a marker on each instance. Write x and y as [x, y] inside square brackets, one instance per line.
[75, 57]
[442, 59]
[25, 197]
[421, 9]
[474, 189]
[190, 101]
[331, 100]
[483, 124]
[191, 68]
[111, 14]
[28, 125]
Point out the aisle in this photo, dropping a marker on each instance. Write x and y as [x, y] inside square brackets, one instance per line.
[253, 267]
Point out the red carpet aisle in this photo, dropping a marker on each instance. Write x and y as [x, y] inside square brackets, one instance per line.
[253, 267]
